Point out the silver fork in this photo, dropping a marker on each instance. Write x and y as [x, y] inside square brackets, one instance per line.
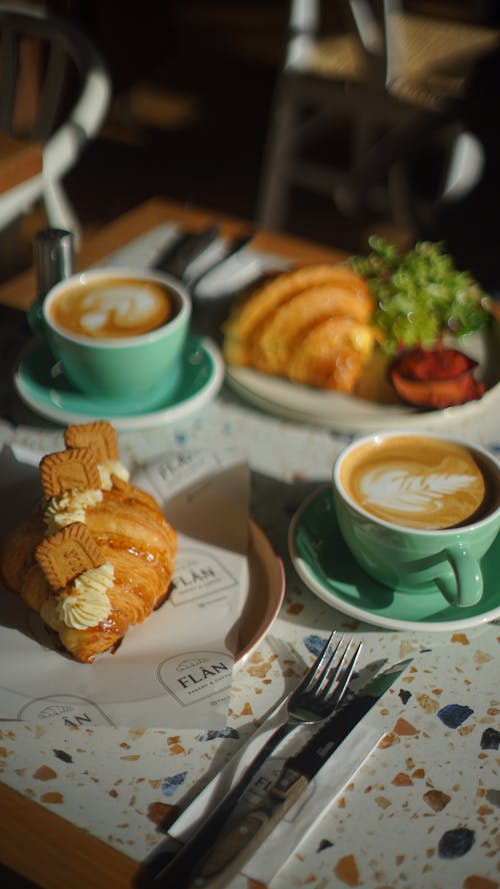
[314, 699]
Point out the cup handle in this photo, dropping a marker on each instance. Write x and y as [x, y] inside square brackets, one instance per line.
[466, 587]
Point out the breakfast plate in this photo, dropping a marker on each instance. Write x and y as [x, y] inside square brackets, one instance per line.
[41, 384]
[326, 566]
[351, 414]
[346, 413]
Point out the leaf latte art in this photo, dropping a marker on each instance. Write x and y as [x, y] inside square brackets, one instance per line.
[413, 493]
[418, 484]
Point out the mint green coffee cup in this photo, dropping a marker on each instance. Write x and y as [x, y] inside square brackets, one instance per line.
[118, 333]
[418, 511]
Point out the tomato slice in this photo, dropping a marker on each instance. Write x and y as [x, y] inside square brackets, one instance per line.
[435, 378]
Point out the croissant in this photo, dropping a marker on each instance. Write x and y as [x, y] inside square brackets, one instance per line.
[311, 324]
[91, 561]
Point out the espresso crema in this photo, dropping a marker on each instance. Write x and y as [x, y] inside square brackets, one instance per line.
[419, 482]
[113, 308]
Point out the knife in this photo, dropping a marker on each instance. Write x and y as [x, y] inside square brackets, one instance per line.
[214, 866]
[177, 257]
[237, 245]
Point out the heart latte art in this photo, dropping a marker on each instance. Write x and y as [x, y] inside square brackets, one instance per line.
[416, 482]
[115, 307]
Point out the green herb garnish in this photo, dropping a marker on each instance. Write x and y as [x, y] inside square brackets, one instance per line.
[420, 295]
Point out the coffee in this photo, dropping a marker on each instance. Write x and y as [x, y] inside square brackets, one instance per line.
[420, 482]
[113, 307]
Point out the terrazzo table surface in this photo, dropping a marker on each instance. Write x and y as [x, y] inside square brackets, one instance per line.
[422, 812]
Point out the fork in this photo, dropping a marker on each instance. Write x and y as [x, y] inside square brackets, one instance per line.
[313, 700]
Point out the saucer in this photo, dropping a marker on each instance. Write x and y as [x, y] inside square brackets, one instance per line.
[41, 384]
[323, 561]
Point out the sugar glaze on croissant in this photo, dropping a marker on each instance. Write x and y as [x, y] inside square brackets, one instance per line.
[131, 547]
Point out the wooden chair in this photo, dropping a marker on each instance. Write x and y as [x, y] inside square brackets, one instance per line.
[59, 66]
[386, 78]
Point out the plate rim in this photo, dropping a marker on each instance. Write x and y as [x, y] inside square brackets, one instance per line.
[260, 547]
[125, 422]
[335, 601]
[251, 385]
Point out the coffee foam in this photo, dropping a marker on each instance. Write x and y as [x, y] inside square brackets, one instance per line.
[114, 308]
[416, 482]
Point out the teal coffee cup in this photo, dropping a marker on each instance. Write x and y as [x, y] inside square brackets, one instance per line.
[418, 511]
[117, 333]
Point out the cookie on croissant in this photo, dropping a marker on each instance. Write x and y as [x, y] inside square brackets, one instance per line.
[92, 561]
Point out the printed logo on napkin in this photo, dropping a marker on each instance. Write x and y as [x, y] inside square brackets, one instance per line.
[71, 710]
[201, 575]
[196, 676]
[179, 469]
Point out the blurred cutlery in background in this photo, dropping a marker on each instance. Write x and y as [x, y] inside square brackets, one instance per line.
[176, 258]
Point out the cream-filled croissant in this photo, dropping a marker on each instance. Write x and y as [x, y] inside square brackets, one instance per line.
[96, 555]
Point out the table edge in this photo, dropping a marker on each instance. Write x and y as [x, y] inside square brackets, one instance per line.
[30, 834]
[20, 291]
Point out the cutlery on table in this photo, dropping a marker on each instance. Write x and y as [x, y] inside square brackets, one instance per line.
[192, 258]
[188, 249]
[237, 844]
[192, 281]
[177, 257]
[315, 699]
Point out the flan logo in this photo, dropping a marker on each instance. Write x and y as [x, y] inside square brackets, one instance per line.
[180, 468]
[71, 710]
[200, 575]
[197, 676]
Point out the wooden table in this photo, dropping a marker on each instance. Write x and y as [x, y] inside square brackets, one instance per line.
[19, 161]
[430, 779]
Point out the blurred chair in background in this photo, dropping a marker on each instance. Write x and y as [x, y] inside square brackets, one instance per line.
[393, 78]
[68, 90]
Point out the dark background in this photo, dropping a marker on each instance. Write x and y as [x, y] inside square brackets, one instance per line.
[193, 84]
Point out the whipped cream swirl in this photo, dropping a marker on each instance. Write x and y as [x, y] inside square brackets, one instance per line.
[88, 604]
[69, 507]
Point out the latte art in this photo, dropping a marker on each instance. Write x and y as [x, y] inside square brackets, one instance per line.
[419, 483]
[113, 308]
[415, 493]
[123, 307]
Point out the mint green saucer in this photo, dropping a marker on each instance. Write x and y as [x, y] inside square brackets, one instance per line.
[41, 384]
[326, 566]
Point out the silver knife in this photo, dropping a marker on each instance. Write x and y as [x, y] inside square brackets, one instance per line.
[214, 865]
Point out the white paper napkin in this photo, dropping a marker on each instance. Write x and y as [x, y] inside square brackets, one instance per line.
[174, 669]
[304, 816]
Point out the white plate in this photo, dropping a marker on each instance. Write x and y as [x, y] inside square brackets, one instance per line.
[347, 414]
